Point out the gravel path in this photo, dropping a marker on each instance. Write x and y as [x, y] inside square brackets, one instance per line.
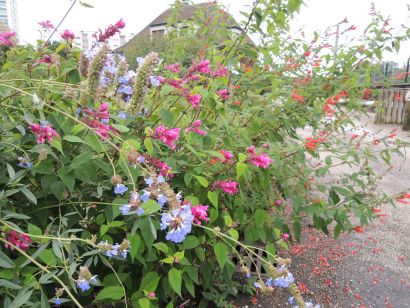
[360, 269]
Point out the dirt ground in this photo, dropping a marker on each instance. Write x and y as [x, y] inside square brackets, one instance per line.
[369, 268]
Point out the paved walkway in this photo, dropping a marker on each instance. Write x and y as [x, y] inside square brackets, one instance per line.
[360, 269]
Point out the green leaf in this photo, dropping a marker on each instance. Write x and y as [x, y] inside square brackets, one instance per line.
[84, 4]
[221, 253]
[12, 173]
[29, 195]
[135, 241]
[33, 229]
[240, 169]
[5, 261]
[9, 285]
[188, 178]
[148, 145]
[161, 247]
[191, 242]
[150, 282]
[21, 298]
[73, 139]
[260, 217]
[144, 302]
[213, 197]
[241, 157]
[202, 180]
[150, 207]
[175, 280]
[57, 145]
[328, 160]
[111, 292]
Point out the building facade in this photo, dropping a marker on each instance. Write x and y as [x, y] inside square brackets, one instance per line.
[8, 15]
[86, 39]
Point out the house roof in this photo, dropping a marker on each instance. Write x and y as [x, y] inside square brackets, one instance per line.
[186, 12]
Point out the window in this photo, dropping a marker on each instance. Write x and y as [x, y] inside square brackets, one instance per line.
[157, 31]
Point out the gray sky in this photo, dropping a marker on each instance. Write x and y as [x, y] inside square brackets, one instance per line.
[315, 15]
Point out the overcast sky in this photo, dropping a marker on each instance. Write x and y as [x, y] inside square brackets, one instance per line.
[314, 15]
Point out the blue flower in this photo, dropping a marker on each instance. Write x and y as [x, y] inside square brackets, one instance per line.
[58, 301]
[310, 305]
[257, 285]
[122, 89]
[284, 282]
[248, 275]
[111, 69]
[145, 196]
[141, 159]
[123, 80]
[25, 164]
[179, 223]
[105, 121]
[162, 199]
[78, 111]
[83, 284]
[125, 209]
[119, 189]
[140, 60]
[113, 251]
[154, 81]
[140, 211]
[179, 197]
[122, 115]
[124, 253]
[291, 300]
[104, 81]
[161, 179]
[127, 98]
[149, 181]
[269, 282]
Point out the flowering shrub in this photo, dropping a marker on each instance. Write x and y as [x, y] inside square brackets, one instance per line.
[138, 187]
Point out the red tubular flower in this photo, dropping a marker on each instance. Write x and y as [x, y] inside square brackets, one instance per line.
[229, 187]
[298, 97]
[311, 143]
[200, 212]
[167, 136]
[111, 31]
[22, 241]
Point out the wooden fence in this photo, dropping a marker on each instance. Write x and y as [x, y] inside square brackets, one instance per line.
[391, 105]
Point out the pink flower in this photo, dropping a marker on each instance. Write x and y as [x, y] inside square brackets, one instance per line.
[173, 68]
[22, 241]
[229, 187]
[120, 24]
[251, 150]
[167, 136]
[46, 59]
[195, 128]
[6, 38]
[44, 132]
[194, 99]
[111, 31]
[151, 295]
[261, 161]
[46, 25]
[223, 94]
[278, 202]
[202, 67]
[102, 112]
[227, 155]
[221, 71]
[200, 212]
[67, 35]
[285, 236]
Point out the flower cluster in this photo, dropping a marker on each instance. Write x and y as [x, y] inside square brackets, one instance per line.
[22, 241]
[167, 136]
[119, 188]
[24, 162]
[85, 278]
[134, 204]
[312, 143]
[98, 120]
[111, 31]
[179, 223]
[43, 131]
[332, 101]
[223, 94]
[195, 128]
[6, 38]
[67, 35]
[227, 157]
[115, 250]
[200, 212]
[229, 187]
[262, 160]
